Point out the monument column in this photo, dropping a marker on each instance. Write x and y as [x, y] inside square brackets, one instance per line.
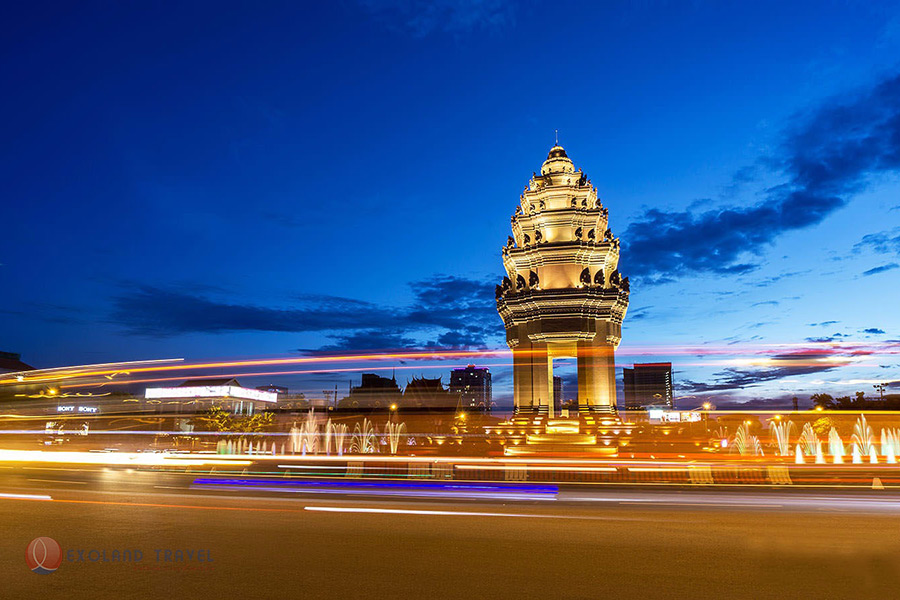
[522, 388]
[588, 388]
[606, 373]
[541, 385]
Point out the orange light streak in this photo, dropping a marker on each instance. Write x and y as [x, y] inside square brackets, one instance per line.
[278, 373]
[42, 376]
[849, 350]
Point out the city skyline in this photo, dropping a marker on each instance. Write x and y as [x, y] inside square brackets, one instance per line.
[759, 215]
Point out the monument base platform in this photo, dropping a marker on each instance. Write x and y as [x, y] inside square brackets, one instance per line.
[580, 434]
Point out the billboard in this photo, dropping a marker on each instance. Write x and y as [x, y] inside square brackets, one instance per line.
[211, 391]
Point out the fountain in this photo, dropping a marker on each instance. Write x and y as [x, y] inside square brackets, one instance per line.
[294, 439]
[890, 444]
[326, 437]
[745, 443]
[820, 456]
[363, 440]
[798, 456]
[394, 431]
[335, 437]
[809, 440]
[863, 436]
[835, 446]
[781, 435]
[873, 456]
[309, 433]
[855, 453]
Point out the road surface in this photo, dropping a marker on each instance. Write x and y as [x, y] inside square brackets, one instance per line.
[578, 542]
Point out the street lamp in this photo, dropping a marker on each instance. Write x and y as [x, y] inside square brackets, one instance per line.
[706, 407]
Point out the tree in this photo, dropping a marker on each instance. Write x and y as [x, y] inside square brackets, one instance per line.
[260, 422]
[822, 426]
[215, 418]
[220, 420]
[826, 401]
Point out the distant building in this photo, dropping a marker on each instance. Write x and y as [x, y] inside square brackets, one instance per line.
[374, 391]
[473, 385]
[275, 389]
[195, 395]
[10, 362]
[425, 392]
[648, 386]
[558, 391]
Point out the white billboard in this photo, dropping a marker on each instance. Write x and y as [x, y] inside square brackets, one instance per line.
[211, 391]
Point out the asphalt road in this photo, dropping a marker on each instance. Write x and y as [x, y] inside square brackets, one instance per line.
[274, 541]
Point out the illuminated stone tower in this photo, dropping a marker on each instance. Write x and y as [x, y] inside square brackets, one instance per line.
[562, 295]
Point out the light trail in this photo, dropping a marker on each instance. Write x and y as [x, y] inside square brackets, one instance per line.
[47, 375]
[436, 513]
[797, 353]
[412, 489]
[278, 373]
[25, 496]
[113, 458]
[536, 468]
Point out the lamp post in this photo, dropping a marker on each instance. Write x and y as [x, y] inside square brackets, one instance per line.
[706, 407]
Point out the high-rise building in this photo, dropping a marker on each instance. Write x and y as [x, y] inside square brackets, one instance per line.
[557, 390]
[648, 385]
[473, 384]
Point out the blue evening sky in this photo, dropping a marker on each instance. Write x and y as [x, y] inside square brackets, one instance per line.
[216, 179]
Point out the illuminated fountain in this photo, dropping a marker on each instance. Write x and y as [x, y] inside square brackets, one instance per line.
[890, 444]
[863, 436]
[309, 434]
[835, 446]
[798, 456]
[820, 456]
[855, 453]
[336, 436]
[745, 443]
[294, 439]
[889, 456]
[781, 436]
[394, 431]
[809, 441]
[363, 440]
